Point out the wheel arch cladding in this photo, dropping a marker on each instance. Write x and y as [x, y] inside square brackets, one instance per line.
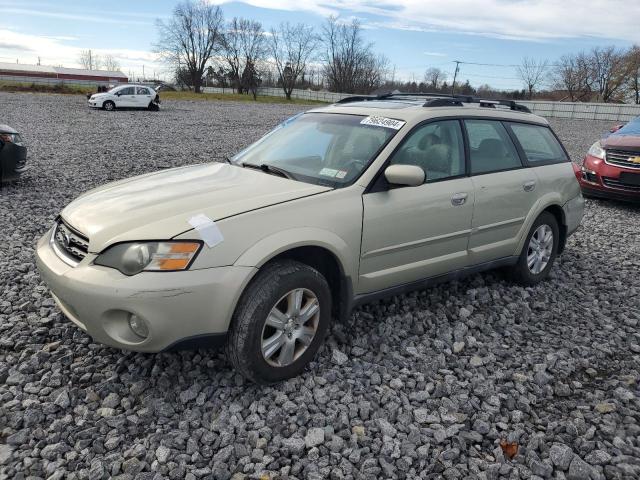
[558, 213]
[328, 264]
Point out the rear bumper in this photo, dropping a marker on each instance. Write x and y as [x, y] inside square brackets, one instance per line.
[193, 307]
[573, 213]
[13, 161]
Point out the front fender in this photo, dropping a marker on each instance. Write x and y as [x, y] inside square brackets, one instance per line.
[273, 245]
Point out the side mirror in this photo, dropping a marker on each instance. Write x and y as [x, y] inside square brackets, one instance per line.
[407, 175]
[118, 94]
[616, 128]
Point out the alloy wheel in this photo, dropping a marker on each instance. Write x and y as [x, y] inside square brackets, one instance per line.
[290, 327]
[540, 249]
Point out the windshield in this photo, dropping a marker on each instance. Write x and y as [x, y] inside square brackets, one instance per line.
[114, 89]
[322, 148]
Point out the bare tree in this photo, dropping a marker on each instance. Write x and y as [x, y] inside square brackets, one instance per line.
[608, 71]
[434, 77]
[346, 56]
[190, 38]
[532, 73]
[110, 63]
[244, 48]
[291, 47]
[374, 71]
[88, 60]
[573, 75]
[633, 75]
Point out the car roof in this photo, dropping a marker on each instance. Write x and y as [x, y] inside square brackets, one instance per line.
[413, 110]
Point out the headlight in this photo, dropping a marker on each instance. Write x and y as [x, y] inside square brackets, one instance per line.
[596, 150]
[135, 257]
[11, 138]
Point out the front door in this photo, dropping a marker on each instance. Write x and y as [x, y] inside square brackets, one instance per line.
[412, 233]
[126, 97]
[505, 191]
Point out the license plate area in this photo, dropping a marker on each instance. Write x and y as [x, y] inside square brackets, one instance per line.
[630, 178]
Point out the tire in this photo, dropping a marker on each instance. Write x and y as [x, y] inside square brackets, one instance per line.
[109, 106]
[249, 333]
[153, 107]
[522, 272]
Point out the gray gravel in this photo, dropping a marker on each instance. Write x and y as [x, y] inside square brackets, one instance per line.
[426, 385]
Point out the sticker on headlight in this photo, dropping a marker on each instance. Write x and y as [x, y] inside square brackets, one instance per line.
[207, 229]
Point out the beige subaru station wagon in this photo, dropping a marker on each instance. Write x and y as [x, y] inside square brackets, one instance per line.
[341, 205]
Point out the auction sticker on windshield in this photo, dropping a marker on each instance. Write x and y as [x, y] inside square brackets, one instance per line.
[383, 122]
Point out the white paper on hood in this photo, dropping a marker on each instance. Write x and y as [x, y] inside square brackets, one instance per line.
[207, 229]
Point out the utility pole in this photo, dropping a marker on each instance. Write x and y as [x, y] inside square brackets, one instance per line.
[455, 75]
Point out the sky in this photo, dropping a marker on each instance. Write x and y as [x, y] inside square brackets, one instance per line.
[491, 36]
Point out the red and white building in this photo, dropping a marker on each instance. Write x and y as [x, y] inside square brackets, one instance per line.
[23, 73]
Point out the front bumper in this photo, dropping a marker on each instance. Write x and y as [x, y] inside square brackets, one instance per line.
[176, 306]
[599, 179]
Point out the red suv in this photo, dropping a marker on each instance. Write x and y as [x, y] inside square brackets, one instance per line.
[611, 168]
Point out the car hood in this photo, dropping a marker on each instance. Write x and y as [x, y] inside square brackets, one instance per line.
[100, 95]
[622, 142]
[158, 205]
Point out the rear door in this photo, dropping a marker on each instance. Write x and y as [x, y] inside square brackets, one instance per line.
[412, 233]
[143, 97]
[505, 191]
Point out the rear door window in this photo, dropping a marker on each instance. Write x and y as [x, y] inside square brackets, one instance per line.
[539, 144]
[490, 147]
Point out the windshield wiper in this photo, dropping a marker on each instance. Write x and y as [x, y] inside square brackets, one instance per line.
[265, 167]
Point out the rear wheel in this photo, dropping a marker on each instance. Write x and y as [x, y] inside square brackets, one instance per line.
[109, 106]
[280, 322]
[539, 251]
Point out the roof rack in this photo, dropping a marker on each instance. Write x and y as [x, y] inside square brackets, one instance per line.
[440, 100]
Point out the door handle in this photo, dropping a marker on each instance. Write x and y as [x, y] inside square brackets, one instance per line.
[529, 186]
[458, 199]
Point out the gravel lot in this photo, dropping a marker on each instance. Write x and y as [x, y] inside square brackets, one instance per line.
[425, 385]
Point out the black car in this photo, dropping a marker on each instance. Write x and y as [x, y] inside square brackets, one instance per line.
[13, 154]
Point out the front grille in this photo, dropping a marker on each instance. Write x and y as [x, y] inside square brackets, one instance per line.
[69, 244]
[623, 158]
[615, 183]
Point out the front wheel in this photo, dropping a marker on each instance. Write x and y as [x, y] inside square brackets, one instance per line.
[109, 106]
[280, 322]
[539, 251]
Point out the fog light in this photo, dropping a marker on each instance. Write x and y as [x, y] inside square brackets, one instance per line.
[138, 326]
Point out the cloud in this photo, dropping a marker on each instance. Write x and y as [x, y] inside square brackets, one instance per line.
[532, 20]
[55, 51]
[94, 17]
[435, 54]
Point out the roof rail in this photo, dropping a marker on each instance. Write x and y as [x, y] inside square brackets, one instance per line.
[443, 102]
[440, 100]
[364, 98]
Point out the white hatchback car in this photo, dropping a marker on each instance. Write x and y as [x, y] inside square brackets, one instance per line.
[126, 96]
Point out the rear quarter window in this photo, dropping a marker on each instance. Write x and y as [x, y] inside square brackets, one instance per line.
[539, 144]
